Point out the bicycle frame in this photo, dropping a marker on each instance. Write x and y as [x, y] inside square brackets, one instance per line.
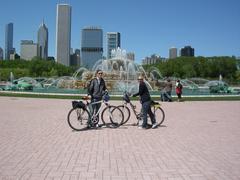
[88, 116]
[133, 107]
[102, 102]
[138, 115]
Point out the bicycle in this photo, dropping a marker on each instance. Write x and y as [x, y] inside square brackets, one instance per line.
[155, 107]
[80, 118]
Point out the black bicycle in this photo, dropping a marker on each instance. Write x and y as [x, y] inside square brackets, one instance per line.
[155, 107]
[80, 118]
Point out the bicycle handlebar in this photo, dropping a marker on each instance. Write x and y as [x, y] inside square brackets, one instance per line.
[106, 97]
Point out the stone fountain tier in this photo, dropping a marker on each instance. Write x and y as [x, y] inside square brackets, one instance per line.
[120, 73]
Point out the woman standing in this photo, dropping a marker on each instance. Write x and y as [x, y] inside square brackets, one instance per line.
[179, 90]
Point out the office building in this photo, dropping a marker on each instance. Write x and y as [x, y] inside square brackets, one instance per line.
[43, 41]
[63, 34]
[28, 49]
[9, 41]
[151, 60]
[154, 59]
[187, 51]
[75, 58]
[13, 56]
[91, 46]
[113, 42]
[1, 53]
[172, 53]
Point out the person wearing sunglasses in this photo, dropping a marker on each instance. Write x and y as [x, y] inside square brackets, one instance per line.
[97, 89]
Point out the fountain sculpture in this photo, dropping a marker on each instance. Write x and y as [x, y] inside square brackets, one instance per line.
[120, 73]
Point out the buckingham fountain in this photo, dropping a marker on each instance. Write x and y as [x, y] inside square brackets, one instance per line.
[120, 74]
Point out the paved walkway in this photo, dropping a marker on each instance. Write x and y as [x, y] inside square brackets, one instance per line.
[198, 141]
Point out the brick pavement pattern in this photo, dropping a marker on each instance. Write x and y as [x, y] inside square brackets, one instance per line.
[197, 141]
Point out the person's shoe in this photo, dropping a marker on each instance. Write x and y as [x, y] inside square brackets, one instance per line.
[140, 127]
[89, 126]
[155, 125]
[97, 126]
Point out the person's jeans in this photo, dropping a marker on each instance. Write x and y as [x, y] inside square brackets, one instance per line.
[166, 96]
[146, 109]
[95, 107]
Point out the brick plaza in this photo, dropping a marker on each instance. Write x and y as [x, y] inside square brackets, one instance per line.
[197, 141]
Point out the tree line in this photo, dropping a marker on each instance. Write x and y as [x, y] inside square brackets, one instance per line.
[202, 67]
[180, 67]
[35, 68]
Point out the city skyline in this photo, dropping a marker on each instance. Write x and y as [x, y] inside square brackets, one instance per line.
[146, 27]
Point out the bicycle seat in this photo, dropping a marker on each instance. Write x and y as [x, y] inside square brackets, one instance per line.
[154, 102]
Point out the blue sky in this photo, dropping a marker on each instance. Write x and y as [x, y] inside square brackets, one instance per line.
[147, 27]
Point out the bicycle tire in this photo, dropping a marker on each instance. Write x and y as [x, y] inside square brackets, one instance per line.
[159, 114]
[78, 119]
[126, 113]
[118, 117]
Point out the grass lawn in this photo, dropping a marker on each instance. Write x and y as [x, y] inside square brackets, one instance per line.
[185, 98]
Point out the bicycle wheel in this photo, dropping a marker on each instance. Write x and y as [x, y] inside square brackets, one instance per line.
[78, 119]
[112, 116]
[159, 114]
[126, 113]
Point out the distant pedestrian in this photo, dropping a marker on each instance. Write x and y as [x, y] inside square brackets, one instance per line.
[179, 88]
[166, 93]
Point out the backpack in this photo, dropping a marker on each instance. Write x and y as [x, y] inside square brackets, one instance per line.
[78, 104]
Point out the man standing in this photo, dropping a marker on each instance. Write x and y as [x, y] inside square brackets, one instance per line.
[96, 90]
[145, 100]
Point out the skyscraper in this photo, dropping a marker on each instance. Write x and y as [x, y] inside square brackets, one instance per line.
[91, 46]
[187, 51]
[43, 41]
[29, 49]
[8, 40]
[75, 58]
[113, 42]
[63, 34]
[172, 53]
[1, 53]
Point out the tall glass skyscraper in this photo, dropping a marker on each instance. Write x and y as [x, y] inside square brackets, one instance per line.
[63, 34]
[8, 40]
[43, 41]
[113, 42]
[92, 46]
